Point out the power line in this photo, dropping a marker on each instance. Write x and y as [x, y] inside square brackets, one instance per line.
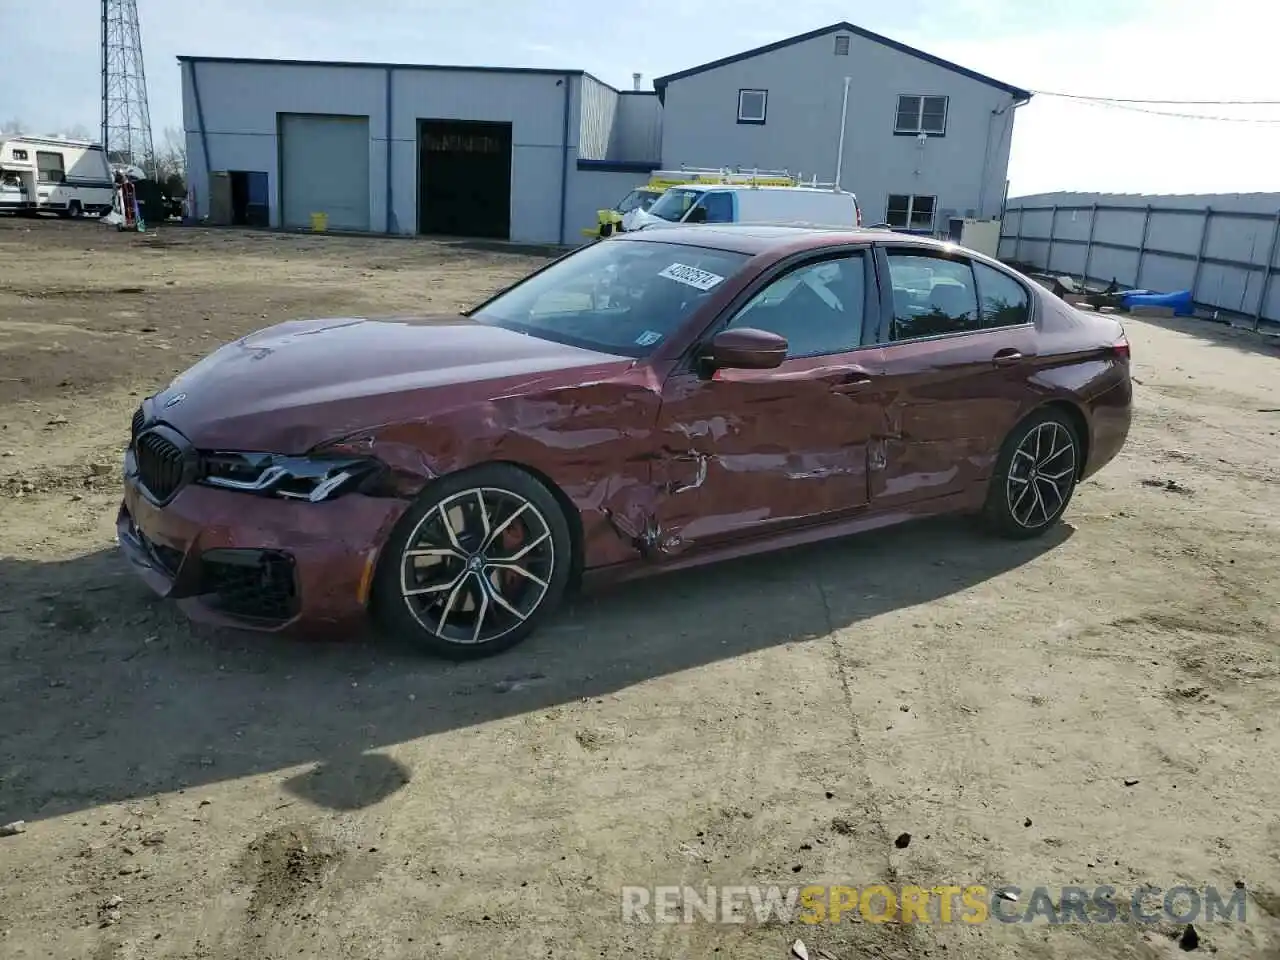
[1120, 104]
[1179, 103]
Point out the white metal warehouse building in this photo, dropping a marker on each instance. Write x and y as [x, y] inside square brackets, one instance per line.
[529, 155]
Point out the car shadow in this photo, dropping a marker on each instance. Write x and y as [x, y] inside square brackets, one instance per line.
[1242, 339]
[107, 694]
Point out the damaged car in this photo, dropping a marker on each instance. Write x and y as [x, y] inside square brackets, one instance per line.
[649, 402]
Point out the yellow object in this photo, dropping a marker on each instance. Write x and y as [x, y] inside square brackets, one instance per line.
[608, 222]
[319, 222]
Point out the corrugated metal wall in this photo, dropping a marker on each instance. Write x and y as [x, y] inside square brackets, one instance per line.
[619, 126]
[599, 112]
[1225, 248]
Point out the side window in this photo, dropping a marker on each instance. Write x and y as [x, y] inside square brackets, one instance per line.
[49, 167]
[1004, 301]
[931, 296]
[817, 307]
[719, 207]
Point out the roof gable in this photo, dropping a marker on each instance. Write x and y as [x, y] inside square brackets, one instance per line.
[660, 83]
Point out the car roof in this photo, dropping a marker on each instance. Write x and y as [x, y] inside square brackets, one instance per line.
[757, 238]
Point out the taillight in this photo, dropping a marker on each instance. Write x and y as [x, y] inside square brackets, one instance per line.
[1121, 349]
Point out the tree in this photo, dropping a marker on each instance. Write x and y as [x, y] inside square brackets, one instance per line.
[13, 127]
[78, 131]
[171, 162]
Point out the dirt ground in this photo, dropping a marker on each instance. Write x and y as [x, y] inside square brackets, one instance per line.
[1096, 708]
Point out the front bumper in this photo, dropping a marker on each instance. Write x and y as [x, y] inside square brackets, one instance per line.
[242, 560]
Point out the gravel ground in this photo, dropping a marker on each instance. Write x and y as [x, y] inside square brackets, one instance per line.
[1095, 708]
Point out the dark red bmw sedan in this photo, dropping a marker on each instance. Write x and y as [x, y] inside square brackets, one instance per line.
[652, 401]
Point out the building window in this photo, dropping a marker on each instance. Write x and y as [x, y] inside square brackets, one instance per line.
[842, 46]
[921, 115]
[49, 167]
[752, 105]
[19, 154]
[911, 212]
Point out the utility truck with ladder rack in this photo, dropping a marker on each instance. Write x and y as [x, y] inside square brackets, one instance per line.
[632, 211]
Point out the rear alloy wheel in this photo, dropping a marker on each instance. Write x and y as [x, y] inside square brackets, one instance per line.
[476, 564]
[1035, 476]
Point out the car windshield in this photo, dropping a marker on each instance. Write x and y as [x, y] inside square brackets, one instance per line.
[674, 204]
[623, 297]
[637, 198]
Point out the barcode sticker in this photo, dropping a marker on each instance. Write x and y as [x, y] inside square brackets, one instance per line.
[691, 276]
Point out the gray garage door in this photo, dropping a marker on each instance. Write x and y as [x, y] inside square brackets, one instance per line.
[324, 168]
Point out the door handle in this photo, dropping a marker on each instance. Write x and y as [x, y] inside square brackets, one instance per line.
[852, 382]
[1006, 357]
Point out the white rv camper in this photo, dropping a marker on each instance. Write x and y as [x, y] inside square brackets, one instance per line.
[68, 177]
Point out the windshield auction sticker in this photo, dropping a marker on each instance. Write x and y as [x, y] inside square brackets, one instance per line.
[691, 276]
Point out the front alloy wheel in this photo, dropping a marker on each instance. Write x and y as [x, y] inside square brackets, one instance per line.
[1035, 476]
[476, 564]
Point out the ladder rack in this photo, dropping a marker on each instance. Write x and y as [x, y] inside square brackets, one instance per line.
[754, 176]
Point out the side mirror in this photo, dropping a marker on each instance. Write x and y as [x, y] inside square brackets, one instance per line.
[745, 348]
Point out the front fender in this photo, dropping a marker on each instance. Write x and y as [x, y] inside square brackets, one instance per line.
[594, 444]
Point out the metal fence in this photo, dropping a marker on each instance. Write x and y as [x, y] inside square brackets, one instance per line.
[1227, 258]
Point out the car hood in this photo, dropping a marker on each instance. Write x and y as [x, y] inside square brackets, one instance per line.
[289, 387]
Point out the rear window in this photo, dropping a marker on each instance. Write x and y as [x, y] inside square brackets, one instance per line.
[622, 297]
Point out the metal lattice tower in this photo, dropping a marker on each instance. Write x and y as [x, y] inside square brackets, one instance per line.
[126, 118]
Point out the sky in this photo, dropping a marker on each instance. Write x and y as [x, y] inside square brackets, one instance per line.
[1138, 49]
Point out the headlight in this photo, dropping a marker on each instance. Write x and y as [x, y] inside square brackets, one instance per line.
[313, 478]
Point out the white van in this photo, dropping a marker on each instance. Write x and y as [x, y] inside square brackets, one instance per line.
[747, 203]
[69, 177]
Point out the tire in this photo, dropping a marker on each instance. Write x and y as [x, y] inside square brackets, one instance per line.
[1029, 466]
[437, 550]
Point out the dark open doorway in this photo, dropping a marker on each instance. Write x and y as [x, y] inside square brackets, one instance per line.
[249, 204]
[464, 178]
